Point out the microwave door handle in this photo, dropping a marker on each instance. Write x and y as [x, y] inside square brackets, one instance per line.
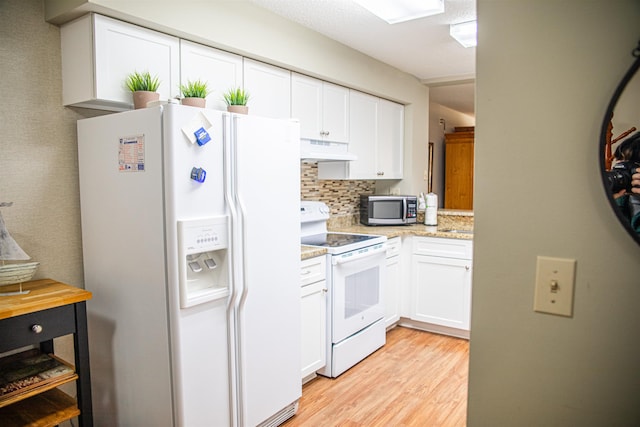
[404, 208]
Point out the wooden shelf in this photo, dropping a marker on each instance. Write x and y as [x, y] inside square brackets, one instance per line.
[29, 373]
[46, 409]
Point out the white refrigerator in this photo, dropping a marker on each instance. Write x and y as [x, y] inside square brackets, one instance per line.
[191, 248]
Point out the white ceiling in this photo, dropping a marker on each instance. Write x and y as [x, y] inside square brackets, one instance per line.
[421, 47]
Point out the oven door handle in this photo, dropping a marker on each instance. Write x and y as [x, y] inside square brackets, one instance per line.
[358, 254]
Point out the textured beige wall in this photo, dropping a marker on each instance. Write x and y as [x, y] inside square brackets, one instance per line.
[38, 159]
[546, 71]
[38, 152]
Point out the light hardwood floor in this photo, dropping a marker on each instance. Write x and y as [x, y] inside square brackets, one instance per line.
[416, 379]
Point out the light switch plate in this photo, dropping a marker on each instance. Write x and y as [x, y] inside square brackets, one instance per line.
[555, 279]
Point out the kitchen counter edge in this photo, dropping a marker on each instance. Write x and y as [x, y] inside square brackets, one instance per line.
[388, 231]
[405, 230]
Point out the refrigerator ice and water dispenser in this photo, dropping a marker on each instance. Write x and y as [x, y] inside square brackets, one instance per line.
[203, 260]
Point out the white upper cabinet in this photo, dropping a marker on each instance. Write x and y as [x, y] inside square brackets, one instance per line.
[98, 53]
[306, 105]
[389, 152]
[221, 70]
[269, 89]
[376, 136]
[363, 113]
[321, 107]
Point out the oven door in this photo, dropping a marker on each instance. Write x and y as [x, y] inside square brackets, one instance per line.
[357, 286]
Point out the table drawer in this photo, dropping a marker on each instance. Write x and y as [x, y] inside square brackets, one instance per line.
[20, 331]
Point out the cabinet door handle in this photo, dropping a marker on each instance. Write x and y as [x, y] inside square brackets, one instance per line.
[380, 173]
[36, 329]
[466, 267]
[325, 290]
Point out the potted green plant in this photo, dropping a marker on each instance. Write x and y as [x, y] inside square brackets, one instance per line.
[236, 100]
[144, 87]
[194, 93]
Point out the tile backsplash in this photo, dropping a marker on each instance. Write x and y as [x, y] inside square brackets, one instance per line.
[342, 196]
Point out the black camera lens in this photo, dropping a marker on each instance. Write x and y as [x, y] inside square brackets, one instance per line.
[619, 177]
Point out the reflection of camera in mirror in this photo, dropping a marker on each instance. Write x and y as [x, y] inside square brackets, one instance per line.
[620, 176]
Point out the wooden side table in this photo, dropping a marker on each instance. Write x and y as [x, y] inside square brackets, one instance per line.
[51, 309]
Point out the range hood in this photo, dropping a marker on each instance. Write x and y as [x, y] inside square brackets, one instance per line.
[325, 151]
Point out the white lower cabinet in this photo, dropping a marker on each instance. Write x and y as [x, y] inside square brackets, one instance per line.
[393, 282]
[313, 297]
[441, 272]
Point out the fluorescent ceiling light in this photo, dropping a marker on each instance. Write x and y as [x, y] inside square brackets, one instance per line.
[394, 11]
[465, 33]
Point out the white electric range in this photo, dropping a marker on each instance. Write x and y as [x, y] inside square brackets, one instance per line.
[356, 271]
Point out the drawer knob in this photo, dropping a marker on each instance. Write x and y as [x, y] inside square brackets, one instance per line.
[36, 328]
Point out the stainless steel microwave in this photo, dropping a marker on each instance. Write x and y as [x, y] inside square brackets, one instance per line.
[388, 210]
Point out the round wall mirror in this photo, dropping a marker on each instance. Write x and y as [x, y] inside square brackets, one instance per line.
[620, 149]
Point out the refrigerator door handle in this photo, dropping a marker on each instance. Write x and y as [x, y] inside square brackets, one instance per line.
[239, 289]
[235, 269]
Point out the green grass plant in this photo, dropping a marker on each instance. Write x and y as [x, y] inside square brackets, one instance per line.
[236, 97]
[142, 81]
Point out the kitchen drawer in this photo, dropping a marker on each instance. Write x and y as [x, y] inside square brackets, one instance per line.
[393, 246]
[440, 247]
[313, 270]
[54, 322]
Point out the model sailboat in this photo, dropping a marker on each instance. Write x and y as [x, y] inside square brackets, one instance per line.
[13, 269]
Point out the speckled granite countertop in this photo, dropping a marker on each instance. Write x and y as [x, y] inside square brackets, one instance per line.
[408, 230]
[311, 251]
[447, 220]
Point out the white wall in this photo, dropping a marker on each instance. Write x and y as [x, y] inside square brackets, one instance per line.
[241, 27]
[546, 71]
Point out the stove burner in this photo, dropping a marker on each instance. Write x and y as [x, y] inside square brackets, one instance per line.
[335, 240]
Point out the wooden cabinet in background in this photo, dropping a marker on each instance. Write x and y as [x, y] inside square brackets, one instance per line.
[458, 176]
